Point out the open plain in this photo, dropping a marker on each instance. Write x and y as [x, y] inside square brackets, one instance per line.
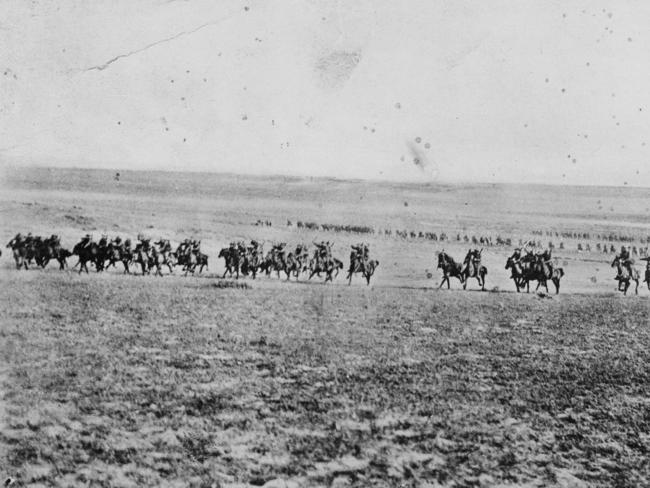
[118, 380]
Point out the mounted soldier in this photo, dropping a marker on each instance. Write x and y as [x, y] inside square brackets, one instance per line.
[625, 260]
[322, 253]
[473, 259]
[86, 241]
[360, 253]
[543, 260]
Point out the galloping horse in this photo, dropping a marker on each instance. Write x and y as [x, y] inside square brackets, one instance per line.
[317, 266]
[89, 252]
[624, 277]
[231, 257]
[450, 269]
[474, 269]
[519, 274]
[19, 251]
[367, 269]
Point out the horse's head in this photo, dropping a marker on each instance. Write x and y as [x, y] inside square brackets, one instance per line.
[616, 261]
[442, 259]
[510, 262]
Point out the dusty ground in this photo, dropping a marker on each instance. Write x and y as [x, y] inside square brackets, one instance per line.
[112, 380]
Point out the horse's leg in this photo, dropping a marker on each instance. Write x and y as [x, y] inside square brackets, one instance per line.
[556, 282]
[636, 290]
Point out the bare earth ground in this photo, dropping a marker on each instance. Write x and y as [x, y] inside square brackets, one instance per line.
[114, 380]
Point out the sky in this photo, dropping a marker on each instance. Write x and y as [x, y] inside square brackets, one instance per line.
[421, 90]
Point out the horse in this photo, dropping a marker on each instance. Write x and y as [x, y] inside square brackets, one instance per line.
[337, 265]
[118, 253]
[202, 261]
[292, 266]
[87, 252]
[156, 260]
[19, 252]
[251, 262]
[327, 266]
[450, 269]
[48, 252]
[625, 277]
[523, 272]
[231, 258]
[474, 269]
[366, 268]
[141, 257]
[517, 272]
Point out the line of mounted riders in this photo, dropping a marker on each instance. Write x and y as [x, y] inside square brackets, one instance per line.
[250, 260]
[524, 267]
[240, 259]
[149, 256]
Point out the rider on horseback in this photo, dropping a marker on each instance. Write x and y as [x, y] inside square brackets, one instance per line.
[360, 253]
[625, 260]
[322, 253]
[544, 260]
[473, 257]
[86, 241]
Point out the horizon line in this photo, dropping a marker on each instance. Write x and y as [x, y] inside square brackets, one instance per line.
[440, 182]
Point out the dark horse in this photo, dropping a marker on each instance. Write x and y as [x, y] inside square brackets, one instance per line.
[450, 269]
[330, 267]
[524, 271]
[231, 257]
[625, 277]
[88, 253]
[367, 269]
[474, 269]
[521, 272]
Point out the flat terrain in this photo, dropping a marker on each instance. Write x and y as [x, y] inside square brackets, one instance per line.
[113, 380]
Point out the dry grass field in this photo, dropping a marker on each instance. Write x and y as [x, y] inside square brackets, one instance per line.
[114, 380]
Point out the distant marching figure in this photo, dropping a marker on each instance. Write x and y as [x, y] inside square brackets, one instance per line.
[360, 262]
[472, 268]
[625, 272]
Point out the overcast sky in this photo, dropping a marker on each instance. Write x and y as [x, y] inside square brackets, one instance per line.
[415, 90]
